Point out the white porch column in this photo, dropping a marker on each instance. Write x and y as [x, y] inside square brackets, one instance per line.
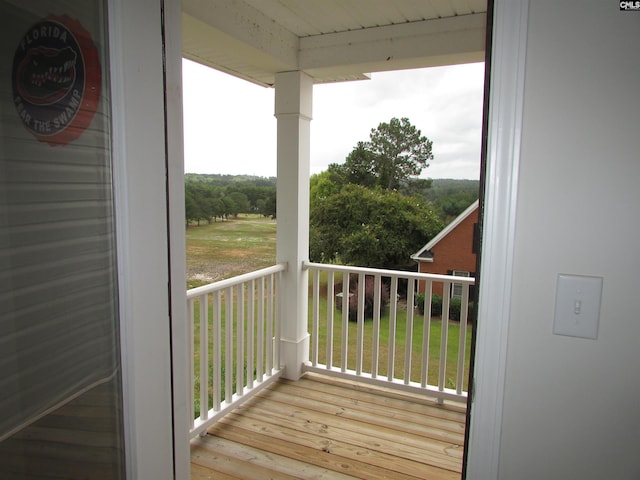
[293, 101]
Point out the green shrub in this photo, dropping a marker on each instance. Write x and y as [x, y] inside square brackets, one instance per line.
[369, 294]
[420, 303]
[454, 309]
[436, 306]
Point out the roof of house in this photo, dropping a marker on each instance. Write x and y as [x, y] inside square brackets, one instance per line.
[424, 254]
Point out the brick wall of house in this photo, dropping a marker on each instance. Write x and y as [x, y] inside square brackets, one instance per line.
[453, 252]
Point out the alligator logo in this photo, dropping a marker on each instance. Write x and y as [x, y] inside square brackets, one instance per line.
[46, 75]
[56, 80]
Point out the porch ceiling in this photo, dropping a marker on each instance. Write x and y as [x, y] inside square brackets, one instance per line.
[331, 40]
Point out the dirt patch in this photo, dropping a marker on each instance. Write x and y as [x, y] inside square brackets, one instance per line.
[227, 249]
[213, 271]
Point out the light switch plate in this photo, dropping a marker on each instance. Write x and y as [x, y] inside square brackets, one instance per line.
[577, 311]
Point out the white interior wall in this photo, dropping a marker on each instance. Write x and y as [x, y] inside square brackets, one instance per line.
[571, 405]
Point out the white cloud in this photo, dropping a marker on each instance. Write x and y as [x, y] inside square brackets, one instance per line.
[230, 128]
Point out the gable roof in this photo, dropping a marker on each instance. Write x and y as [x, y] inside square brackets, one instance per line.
[424, 254]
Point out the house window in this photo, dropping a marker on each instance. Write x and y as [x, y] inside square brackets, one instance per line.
[456, 288]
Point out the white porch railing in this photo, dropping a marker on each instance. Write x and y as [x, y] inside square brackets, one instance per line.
[235, 332]
[400, 354]
[234, 327]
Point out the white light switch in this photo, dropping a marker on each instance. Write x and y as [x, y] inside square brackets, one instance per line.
[577, 306]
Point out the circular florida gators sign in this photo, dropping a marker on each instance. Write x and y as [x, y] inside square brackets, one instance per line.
[56, 80]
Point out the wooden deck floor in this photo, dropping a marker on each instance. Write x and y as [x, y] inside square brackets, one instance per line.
[321, 428]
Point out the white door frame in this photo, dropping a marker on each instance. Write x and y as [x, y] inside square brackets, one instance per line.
[180, 335]
[141, 156]
[501, 185]
[141, 169]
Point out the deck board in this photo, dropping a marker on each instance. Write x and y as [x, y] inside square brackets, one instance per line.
[203, 473]
[368, 412]
[319, 428]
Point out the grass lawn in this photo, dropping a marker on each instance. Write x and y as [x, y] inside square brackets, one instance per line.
[224, 249]
[417, 334]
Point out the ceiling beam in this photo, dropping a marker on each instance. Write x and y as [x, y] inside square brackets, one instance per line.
[426, 43]
[251, 40]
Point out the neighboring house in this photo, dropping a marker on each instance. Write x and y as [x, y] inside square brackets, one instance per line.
[452, 251]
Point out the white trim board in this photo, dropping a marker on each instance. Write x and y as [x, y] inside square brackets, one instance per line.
[503, 157]
[141, 235]
[177, 246]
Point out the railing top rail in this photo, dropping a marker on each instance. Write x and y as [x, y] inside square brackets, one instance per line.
[233, 281]
[389, 273]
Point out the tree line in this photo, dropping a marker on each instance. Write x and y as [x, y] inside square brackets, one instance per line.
[217, 197]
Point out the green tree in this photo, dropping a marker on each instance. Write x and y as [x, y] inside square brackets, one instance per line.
[196, 208]
[217, 208]
[359, 167]
[267, 206]
[205, 195]
[241, 203]
[229, 206]
[192, 211]
[324, 184]
[371, 228]
[395, 152]
[450, 206]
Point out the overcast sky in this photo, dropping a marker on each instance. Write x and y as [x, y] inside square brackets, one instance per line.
[230, 127]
